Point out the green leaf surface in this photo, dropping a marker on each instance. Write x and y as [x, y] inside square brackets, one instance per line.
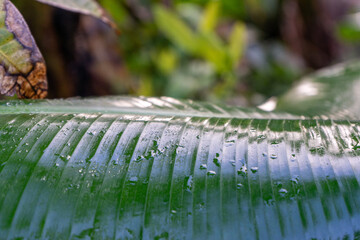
[160, 168]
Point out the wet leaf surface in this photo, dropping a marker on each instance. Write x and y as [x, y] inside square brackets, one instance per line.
[161, 168]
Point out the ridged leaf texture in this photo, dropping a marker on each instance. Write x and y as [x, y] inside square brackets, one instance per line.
[160, 168]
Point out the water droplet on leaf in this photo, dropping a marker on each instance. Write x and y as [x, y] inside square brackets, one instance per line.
[133, 180]
[217, 162]
[254, 169]
[283, 192]
[203, 166]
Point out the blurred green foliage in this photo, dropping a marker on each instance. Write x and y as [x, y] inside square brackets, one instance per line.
[239, 52]
[178, 52]
[192, 49]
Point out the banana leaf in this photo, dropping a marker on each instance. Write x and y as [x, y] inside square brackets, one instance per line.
[161, 168]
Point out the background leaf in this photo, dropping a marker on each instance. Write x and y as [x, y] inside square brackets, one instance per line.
[22, 69]
[205, 44]
[210, 18]
[176, 30]
[89, 7]
[237, 42]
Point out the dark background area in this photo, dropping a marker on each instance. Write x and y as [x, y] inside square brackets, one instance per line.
[238, 52]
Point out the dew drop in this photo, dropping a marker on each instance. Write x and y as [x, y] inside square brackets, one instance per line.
[242, 170]
[229, 143]
[254, 169]
[294, 180]
[133, 180]
[203, 166]
[65, 158]
[273, 156]
[260, 137]
[139, 158]
[217, 162]
[283, 192]
[189, 183]
[211, 173]
[278, 184]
